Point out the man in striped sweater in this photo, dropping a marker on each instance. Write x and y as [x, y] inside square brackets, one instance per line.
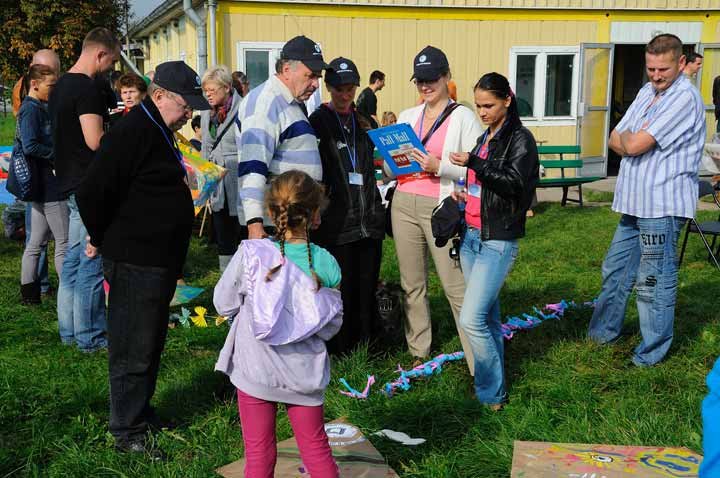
[276, 135]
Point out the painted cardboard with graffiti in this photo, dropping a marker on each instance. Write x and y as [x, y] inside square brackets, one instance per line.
[574, 460]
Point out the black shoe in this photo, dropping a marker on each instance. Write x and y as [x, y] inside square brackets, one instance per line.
[140, 446]
[30, 293]
[157, 424]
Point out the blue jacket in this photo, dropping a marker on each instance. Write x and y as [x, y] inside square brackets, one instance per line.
[711, 425]
[35, 133]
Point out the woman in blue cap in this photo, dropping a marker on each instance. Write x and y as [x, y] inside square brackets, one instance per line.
[444, 127]
[352, 227]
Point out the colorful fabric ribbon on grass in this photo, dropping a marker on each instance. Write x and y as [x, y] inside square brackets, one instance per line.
[431, 367]
[550, 311]
[351, 392]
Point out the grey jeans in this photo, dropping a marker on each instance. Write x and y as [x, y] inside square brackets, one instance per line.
[45, 217]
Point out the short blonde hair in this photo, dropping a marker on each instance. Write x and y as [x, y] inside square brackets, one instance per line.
[220, 74]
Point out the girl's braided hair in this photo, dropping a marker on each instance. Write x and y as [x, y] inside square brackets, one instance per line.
[292, 200]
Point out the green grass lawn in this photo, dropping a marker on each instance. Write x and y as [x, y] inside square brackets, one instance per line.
[7, 129]
[54, 400]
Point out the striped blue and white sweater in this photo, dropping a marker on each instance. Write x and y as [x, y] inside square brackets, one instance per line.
[276, 137]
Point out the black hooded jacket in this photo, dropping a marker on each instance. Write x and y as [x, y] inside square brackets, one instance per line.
[509, 176]
[354, 212]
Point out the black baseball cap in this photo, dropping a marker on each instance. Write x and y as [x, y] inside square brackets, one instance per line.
[303, 49]
[430, 64]
[177, 77]
[342, 71]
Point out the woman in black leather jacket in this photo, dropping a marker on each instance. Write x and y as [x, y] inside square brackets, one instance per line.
[502, 175]
[353, 224]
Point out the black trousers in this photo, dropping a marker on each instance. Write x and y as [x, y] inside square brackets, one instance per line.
[228, 231]
[360, 265]
[138, 311]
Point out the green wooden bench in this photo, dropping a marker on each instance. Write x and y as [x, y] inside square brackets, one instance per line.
[563, 182]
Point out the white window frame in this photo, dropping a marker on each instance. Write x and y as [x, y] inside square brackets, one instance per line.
[273, 48]
[541, 53]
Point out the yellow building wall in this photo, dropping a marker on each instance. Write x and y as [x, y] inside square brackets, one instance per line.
[390, 44]
[598, 4]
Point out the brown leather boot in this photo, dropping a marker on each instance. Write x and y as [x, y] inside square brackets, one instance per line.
[30, 293]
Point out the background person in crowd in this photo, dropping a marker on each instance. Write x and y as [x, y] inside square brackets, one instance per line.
[240, 83]
[219, 126]
[196, 140]
[48, 58]
[367, 101]
[138, 210]
[49, 209]
[41, 57]
[277, 367]
[445, 127]
[660, 139]
[276, 135]
[76, 111]
[353, 224]
[693, 63]
[132, 90]
[503, 170]
[388, 118]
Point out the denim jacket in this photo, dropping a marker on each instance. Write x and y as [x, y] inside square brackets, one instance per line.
[35, 134]
[275, 349]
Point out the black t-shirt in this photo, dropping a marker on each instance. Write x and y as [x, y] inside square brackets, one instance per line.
[75, 94]
[367, 105]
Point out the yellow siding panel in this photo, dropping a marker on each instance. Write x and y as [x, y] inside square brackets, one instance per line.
[366, 41]
[590, 4]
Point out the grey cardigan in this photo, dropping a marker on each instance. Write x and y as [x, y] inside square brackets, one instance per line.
[225, 155]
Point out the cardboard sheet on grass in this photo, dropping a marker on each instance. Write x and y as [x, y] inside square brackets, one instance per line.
[574, 460]
[354, 454]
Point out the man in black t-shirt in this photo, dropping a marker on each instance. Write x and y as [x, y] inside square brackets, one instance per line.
[367, 101]
[76, 110]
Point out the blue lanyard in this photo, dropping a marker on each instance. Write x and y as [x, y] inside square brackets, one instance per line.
[352, 152]
[434, 126]
[172, 144]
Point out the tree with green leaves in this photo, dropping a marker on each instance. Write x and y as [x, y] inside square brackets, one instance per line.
[61, 25]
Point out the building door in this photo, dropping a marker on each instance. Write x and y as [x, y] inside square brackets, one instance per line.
[628, 78]
[706, 77]
[596, 72]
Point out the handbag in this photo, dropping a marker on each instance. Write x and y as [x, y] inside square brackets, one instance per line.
[391, 191]
[20, 171]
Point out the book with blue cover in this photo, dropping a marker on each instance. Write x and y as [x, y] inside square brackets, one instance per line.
[395, 143]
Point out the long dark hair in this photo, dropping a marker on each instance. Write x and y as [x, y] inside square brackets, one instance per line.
[499, 86]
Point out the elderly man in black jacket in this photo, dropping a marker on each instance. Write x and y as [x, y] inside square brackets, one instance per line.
[137, 207]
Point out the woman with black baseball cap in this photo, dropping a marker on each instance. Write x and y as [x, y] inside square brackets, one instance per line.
[352, 227]
[444, 127]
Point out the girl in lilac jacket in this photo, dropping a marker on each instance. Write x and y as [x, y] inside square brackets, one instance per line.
[280, 293]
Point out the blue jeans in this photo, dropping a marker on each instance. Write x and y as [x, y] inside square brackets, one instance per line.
[485, 265]
[81, 297]
[43, 261]
[642, 253]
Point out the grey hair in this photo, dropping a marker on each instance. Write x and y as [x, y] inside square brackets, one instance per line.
[281, 62]
[220, 74]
